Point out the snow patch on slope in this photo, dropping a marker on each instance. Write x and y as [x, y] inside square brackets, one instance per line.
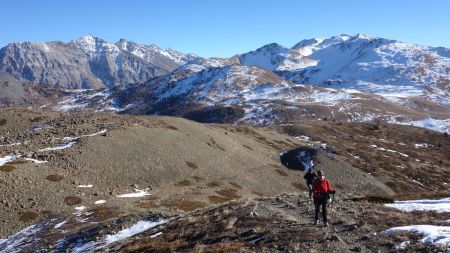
[438, 205]
[136, 194]
[437, 235]
[439, 125]
[137, 228]
[6, 159]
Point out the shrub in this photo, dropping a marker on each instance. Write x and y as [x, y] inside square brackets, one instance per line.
[184, 183]
[281, 173]
[7, 168]
[54, 178]
[213, 184]
[71, 200]
[191, 165]
[185, 205]
[236, 185]
[28, 216]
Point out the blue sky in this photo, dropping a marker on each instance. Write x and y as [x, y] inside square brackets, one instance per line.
[224, 28]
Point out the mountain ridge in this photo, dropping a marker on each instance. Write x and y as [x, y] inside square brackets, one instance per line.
[365, 63]
[87, 62]
[344, 77]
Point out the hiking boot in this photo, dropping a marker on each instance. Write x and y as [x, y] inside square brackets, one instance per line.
[316, 221]
[325, 224]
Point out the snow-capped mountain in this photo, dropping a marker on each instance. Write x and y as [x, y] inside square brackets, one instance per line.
[88, 62]
[213, 91]
[375, 65]
[153, 53]
[351, 78]
[275, 57]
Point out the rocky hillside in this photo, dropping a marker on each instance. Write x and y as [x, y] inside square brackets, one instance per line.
[215, 91]
[265, 224]
[87, 62]
[104, 182]
[414, 155]
[25, 94]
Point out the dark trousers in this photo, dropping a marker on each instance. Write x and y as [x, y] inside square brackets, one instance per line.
[309, 190]
[321, 202]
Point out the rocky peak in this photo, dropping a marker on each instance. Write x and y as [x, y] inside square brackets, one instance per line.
[92, 45]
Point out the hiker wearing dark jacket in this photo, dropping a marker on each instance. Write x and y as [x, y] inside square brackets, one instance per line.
[321, 193]
[309, 177]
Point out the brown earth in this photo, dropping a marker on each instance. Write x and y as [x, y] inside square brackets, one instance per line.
[174, 159]
[187, 166]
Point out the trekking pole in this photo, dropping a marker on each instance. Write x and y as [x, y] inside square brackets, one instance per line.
[331, 200]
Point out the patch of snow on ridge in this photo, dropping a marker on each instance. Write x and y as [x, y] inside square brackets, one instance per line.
[84, 186]
[60, 147]
[137, 228]
[84, 248]
[70, 141]
[60, 224]
[352, 91]
[20, 240]
[46, 48]
[156, 235]
[81, 99]
[11, 145]
[80, 208]
[6, 159]
[306, 160]
[35, 160]
[136, 194]
[329, 97]
[437, 235]
[438, 205]
[433, 124]
[99, 202]
[388, 150]
[70, 104]
[303, 138]
[103, 131]
[402, 245]
[423, 145]
[439, 125]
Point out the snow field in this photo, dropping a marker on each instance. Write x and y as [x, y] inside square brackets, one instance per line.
[437, 235]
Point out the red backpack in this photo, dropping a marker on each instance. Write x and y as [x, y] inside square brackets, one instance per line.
[321, 186]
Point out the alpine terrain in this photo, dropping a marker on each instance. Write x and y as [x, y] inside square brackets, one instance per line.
[127, 147]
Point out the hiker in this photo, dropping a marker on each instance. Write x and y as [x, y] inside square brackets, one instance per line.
[309, 177]
[321, 193]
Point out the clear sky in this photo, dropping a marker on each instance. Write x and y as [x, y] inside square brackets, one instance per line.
[226, 27]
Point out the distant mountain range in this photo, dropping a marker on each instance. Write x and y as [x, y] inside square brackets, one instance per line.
[351, 78]
[88, 62]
